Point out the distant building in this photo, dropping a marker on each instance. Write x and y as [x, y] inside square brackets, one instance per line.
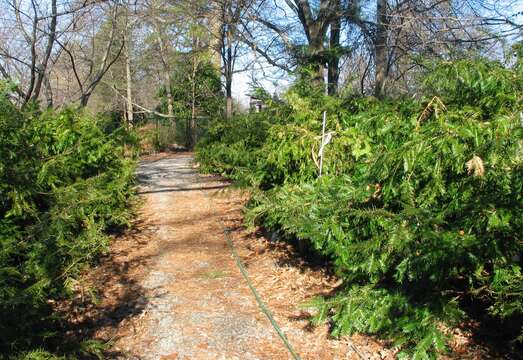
[255, 103]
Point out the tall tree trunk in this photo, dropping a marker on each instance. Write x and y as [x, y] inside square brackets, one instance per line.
[229, 104]
[228, 67]
[84, 99]
[381, 49]
[191, 136]
[216, 20]
[48, 91]
[316, 25]
[164, 58]
[192, 125]
[169, 94]
[38, 72]
[317, 61]
[166, 76]
[334, 56]
[128, 79]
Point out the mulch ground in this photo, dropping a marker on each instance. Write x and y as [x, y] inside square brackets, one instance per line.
[111, 302]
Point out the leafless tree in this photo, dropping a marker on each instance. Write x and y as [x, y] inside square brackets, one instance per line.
[390, 32]
[402, 31]
[37, 35]
[36, 30]
[91, 61]
[226, 19]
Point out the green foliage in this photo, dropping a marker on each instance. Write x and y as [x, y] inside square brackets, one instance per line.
[159, 136]
[194, 84]
[365, 309]
[420, 209]
[38, 355]
[88, 349]
[65, 181]
[201, 76]
[241, 140]
[482, 84]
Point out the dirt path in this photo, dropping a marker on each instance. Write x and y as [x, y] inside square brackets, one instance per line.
[197, 307]
[179, 294]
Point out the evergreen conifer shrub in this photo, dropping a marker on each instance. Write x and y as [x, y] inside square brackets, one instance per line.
[420, 209]
[65, 182]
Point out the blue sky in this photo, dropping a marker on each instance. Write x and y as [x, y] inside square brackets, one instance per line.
[272, 80]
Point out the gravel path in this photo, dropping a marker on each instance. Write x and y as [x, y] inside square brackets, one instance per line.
[196, 304]
[170, 288]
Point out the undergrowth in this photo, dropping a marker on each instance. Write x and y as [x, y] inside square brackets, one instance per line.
[420, 208]
[66, 182]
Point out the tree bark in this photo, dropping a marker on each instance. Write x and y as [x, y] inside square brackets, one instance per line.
[42, 68]
[316, 58]
[229, 106]
[93, 78]
[128, 80]
[381, 49]
[84, 99]
[48, 91]
[228, 67]
[333, 73]
[315, 28]
[191, 134]
[192, 124]
[164, 58]
[215, 16]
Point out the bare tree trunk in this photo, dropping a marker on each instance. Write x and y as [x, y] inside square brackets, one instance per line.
[167, 84]
[228, 31]
[228, 76]
[317, 60]
[51, 37]
[84, 99]
[315, 25]
[37, 71]
[164, 58]
[93, 78]
[381, 49]
[191, 136]
[48, 91]
[128, 78]
[192, 125]
[170, 101]
[334, 57]
[215, 27]
[229, 106]
[32, 42]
